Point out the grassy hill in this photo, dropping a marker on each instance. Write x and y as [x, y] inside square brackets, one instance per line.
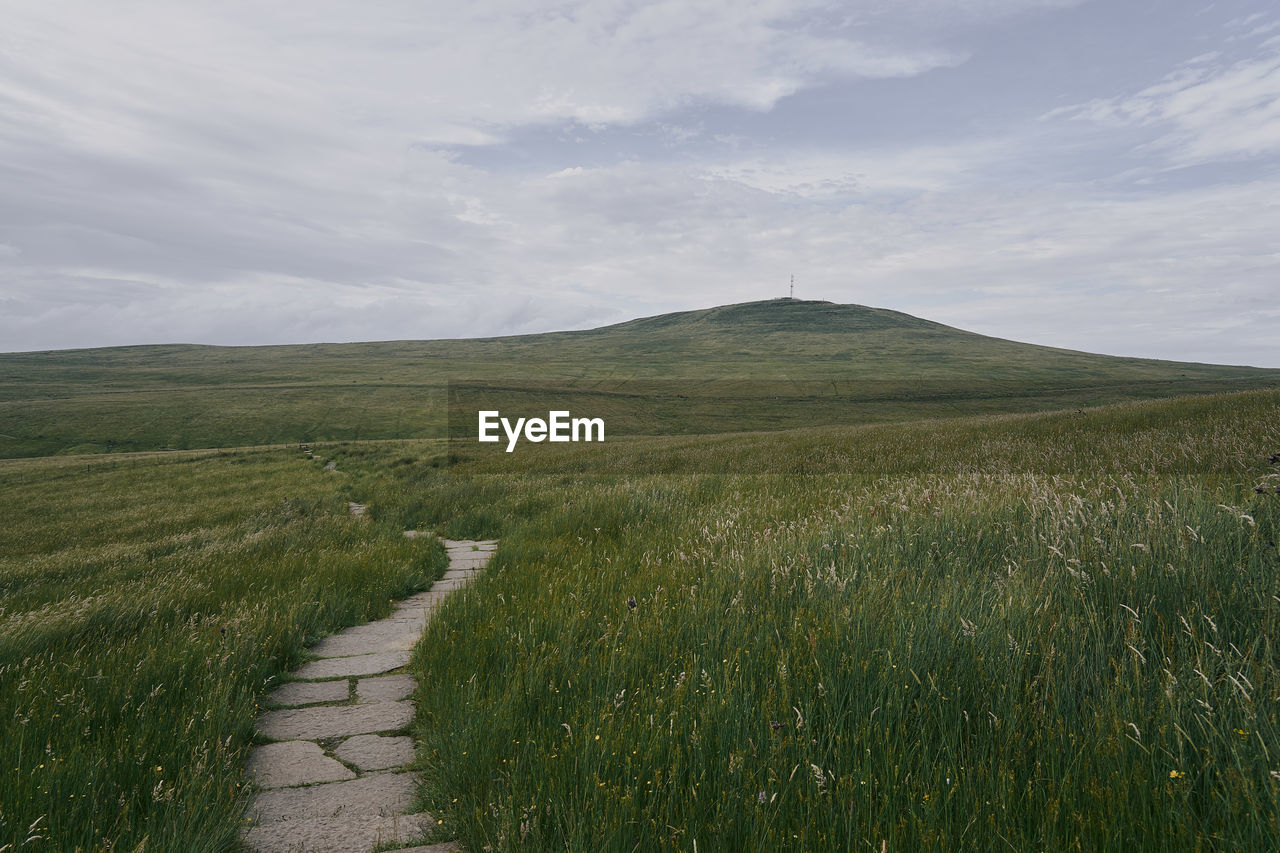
[1013, 629]
[773, 364]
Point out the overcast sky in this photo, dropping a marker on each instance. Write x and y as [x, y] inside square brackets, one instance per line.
[1094, 175]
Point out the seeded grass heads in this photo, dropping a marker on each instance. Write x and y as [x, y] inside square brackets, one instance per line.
[1031, 632]
[143, 606]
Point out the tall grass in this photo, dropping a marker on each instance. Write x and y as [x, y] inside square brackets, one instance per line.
[144, 604]
[1034, 632]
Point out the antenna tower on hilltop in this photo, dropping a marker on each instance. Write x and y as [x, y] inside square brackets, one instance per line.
[793, 287]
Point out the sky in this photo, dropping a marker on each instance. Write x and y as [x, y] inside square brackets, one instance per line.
[1102, 176]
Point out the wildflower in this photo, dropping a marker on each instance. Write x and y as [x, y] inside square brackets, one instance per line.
[1176, 774]
[762, 798]
[631, 602]
[775, 725]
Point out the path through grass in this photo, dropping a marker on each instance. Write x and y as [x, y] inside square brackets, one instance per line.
[1035, 632]
[143, 605]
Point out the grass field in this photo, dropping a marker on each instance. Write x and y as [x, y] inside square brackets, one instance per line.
[1051, 631]
[777, 364]
[839, 579]
[145, 604]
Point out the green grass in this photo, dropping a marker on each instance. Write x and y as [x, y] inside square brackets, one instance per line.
[975, 626]
[776, 365]
[1020, 632]
[145, 605]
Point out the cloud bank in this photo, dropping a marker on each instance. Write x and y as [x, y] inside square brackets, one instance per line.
[233, 173]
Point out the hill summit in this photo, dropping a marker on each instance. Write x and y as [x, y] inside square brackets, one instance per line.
[767, 357]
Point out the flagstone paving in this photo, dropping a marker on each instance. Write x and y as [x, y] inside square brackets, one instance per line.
[335, 779]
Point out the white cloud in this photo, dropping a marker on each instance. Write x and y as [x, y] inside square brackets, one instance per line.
[250, 173]
[444, 73]
[1068, 266]
[904, 169]
[1205, 111]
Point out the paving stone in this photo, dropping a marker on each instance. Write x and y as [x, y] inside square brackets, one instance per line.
[418, 612]
[413, 621]
[335, 720]
[383, 636]
[309, 692]
[375, 752]
[450, 585]
[470, 543]
[357, 665]
[329, 811]
[341, 817]
[340, 834]
[387, 688]
[422, 599]
[405, 618]
[294, 762]
[414, 609]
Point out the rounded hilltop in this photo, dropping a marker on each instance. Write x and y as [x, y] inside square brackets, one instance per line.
[781, 314]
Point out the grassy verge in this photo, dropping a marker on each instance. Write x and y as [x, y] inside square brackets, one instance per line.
[1027, 632]
[144, 605]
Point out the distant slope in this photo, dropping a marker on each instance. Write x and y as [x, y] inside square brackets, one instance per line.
[780, 362]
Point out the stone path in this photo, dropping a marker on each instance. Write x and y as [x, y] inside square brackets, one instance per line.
[334, 779]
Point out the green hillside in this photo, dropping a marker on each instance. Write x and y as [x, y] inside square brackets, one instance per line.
[773, 364]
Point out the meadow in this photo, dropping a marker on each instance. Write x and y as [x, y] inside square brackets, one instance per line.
[1053, 631]
[778, 364]
[146, 603]
[878, 585]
